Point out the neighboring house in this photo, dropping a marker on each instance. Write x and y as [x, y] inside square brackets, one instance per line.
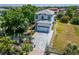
[61, 10]
[56, 10]
[44, 20]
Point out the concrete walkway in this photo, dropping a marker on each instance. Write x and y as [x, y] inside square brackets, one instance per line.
[37, 52]
[41, 40]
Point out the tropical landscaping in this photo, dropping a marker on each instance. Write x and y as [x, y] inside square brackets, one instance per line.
[16, 30]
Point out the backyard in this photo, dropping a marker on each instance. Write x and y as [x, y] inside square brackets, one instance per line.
[65, 33]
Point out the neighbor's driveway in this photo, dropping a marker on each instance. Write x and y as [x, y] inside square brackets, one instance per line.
[41, 40]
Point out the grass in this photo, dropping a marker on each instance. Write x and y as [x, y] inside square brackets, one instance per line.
[65, 33]
[76, 30]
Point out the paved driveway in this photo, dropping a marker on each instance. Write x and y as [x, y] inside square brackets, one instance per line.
[41, 40]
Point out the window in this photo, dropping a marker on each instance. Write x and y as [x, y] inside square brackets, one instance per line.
[42, 17]
[46, 17]
[49, 17]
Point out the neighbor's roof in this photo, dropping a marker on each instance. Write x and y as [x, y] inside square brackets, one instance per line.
[45, 12]
[54, 9]
[62, 9]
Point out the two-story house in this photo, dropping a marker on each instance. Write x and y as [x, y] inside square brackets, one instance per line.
[44, 20]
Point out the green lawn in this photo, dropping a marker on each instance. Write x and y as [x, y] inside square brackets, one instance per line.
[65, 33]
[76, 29]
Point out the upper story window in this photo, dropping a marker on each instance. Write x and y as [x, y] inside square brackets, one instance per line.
[46, 17]
[49, 17]
[42, 17]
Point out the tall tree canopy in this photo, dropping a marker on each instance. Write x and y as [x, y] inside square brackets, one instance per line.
[69, 12]
[29, 12]
[15, 21]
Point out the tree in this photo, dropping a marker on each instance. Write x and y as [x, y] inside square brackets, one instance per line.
[69, 12]
[29, 12]
[3, 26]
[15, 21]
[72, 7]
[75, 20]
[65, 19]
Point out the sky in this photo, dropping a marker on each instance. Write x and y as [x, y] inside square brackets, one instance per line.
[56, 5]
[40, 5]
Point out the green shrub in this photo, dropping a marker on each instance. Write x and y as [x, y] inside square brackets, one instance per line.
[65, 19]
[71, 49]
[6, 45]
[75, 21]
[26, 48]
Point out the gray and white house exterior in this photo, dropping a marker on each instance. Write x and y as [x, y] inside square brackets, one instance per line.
[44, 20]
[43, 23]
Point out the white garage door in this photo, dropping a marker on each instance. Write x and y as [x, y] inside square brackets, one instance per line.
[43, 29]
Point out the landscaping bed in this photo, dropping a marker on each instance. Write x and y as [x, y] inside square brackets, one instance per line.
[10, 47]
